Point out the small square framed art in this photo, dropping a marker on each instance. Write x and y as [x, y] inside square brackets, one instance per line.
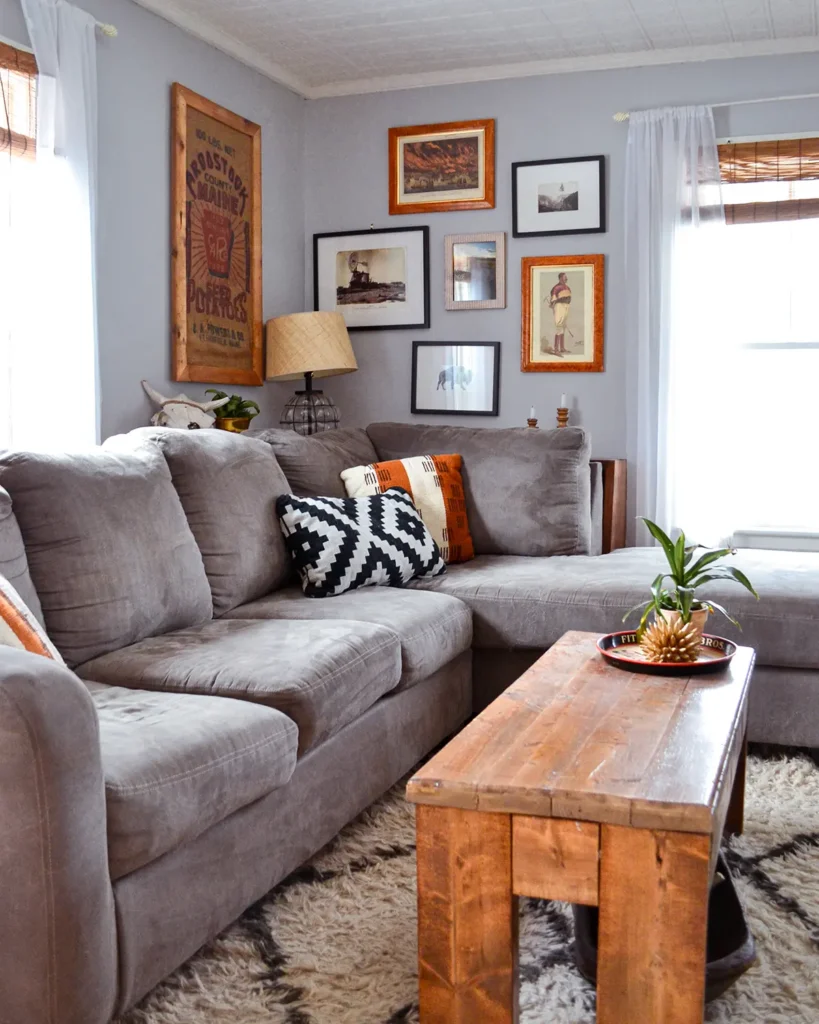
[377, 279]
[475, 271]
[457, 378]
[559, 197]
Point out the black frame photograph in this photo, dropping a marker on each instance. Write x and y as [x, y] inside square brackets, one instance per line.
[377, 278]
[566, 196]
[451, 387]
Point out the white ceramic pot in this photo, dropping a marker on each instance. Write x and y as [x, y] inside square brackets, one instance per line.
[698, 617]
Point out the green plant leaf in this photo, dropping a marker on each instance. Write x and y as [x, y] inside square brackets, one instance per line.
[664, 540]
[714, 607]
[689, 553]
[216, 394]
[686, 599]
[637, 607]
[679, 559]
[705, 560]
[725, 572]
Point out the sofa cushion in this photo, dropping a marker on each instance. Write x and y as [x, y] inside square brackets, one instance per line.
[431, 628]
[321, 674]
[313, 464]
[527, 491]
[109, 548]
[228, 485]
[13, 561]
[531, 602]
[175, 764]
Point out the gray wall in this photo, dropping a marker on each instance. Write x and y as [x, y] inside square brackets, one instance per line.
[135, 74]
[552, 116]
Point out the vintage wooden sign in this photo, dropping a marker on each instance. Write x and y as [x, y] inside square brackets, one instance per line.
[216, 261]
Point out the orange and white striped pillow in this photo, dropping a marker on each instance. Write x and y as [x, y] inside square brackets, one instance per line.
[19, 627]
[436, 487]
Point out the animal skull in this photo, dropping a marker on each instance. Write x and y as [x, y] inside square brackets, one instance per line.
[182, 412]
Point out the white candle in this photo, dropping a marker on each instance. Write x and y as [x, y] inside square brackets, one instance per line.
[532, 413]
[563, 402]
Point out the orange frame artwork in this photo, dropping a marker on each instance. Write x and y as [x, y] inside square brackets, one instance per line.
[562, 314]
[216, 243]
[436, 168]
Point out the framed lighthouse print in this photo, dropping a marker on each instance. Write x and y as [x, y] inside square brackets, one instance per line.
[216, 243]
[562, 314]
[377, 279]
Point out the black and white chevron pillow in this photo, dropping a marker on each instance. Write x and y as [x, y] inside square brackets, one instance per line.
[338, 544]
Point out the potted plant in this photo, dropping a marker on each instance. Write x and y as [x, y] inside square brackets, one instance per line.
[680, 600]
[236, 414]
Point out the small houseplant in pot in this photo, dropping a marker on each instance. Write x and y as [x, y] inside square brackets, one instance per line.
[236, 414]
[677, 599]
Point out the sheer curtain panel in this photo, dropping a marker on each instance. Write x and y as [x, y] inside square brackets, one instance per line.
[675, 340]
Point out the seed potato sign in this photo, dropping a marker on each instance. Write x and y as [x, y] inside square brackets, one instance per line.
[216, 258]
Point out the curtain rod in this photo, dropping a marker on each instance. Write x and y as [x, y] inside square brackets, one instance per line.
[622, 115]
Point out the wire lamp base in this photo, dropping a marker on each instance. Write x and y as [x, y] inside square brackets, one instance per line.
[310, 412]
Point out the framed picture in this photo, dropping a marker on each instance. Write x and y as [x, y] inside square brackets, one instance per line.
[562, 306]
[559, 197]
[216, 243]
[438, 167]
[461, 378]
[377, 279]
[475, 271]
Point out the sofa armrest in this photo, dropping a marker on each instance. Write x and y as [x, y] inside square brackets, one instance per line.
[612, 497]
[58, 955]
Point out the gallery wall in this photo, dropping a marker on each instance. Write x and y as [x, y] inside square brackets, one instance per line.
[135, 73]
[536, 118]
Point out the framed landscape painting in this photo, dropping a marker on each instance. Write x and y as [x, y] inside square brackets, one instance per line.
[377, 279]
[216, 243]
[439, 167]
[475, 271]
[458, 378]
[562, 314]
[559, 197]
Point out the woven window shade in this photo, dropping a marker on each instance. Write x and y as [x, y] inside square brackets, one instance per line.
[789, 161]
[18, 92]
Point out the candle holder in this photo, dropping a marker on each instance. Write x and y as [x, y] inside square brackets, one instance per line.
[562, 416]
[532, 423]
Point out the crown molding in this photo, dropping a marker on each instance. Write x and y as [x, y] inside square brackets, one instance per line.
[247, 55]
[566, 65]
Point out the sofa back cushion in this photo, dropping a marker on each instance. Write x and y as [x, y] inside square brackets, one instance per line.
[13, 561]
[313, 464]
[527, 491]
[228, 485]
[109, 549]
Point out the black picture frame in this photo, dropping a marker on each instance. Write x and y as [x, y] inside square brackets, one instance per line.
[601, 228]
[417, 410]
[369, 233]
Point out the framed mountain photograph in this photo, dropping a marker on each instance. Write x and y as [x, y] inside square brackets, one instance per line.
[559, 197]
[377, 279]
[440, 167]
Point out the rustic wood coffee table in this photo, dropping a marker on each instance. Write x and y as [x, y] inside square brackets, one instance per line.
[589, 784]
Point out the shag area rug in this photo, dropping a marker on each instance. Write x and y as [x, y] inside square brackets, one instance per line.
[335, 943]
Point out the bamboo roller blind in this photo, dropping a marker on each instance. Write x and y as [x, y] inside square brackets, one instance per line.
[18, 91]
[783, 160]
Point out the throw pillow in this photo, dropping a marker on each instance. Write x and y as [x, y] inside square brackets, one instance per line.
[339, 544]
[436, 487]
[19, 626]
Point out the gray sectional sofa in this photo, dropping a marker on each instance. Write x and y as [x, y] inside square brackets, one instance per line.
[213, 728]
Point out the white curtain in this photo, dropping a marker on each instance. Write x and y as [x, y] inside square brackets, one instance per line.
[53, 332]
[675, 321]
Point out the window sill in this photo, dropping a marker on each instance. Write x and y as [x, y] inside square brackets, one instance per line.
[776, 539]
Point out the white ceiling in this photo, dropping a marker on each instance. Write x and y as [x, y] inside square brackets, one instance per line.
[336, 47]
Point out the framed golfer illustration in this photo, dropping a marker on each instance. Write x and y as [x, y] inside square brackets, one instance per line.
[562, 314]
[459, 378]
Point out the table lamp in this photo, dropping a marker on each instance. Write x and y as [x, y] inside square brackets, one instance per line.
[312, 345]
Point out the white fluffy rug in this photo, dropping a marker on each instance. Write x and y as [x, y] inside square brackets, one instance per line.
[335, 943]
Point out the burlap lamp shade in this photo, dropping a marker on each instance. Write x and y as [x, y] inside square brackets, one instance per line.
[309, 345]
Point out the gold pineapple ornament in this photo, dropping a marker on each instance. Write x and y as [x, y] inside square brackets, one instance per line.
[675, 641]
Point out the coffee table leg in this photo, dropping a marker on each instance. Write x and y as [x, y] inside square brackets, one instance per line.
[653, 926]
[735, 818]
[467, 917]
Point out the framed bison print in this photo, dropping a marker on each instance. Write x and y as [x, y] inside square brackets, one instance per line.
[216, 239]
[459, 378]
[440, 167]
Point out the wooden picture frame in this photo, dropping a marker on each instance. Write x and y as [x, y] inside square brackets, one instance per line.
[479, 273]
[216, 243]
[536, 213]
[422, 178]
[481, 395]
[553, 287]
[402, 253]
